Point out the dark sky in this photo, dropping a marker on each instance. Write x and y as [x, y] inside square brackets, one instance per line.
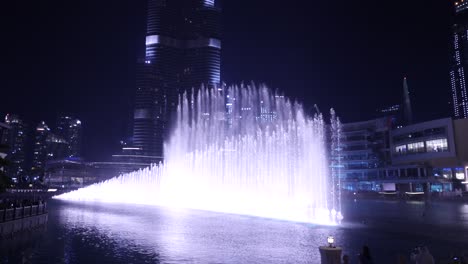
[79, 57]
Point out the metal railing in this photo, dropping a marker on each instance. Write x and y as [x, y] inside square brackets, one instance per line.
[22, 212]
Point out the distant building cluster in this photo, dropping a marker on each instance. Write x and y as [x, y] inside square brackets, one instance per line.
[63, 142]
[30, 150]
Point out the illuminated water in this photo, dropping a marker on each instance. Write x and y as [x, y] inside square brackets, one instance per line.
[244, 150]
[111, 233]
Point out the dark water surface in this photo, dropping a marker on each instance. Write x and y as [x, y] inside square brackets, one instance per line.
[106, 233]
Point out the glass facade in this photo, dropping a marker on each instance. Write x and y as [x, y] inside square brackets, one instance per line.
[365, 151]
[40, 148]
[426, 153]
[69, 129]
[416, 147]
[437, 145]
[401, 150]
[183, 52]
[16, 140]
[459, 174]
[459, 60]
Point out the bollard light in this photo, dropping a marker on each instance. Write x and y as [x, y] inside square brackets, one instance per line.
[330, 240]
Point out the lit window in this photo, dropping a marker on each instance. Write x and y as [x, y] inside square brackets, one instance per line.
[416, 147]
[209, 3]
[447, 173]
[400, 149]
[459, 174]
[437, 145]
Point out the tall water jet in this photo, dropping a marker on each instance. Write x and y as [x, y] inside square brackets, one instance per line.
[241, 150]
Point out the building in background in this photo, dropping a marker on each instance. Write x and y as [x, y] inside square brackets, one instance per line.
[392, 110]
[40, 153]
[459, 60]
[439, 147]
[402, 113]
[420, 158]
[47, 146]
[407, 109]
[15, 138]
[183, 52]
[4, 148]
[68, 174]
[365, 152]
[70, 130]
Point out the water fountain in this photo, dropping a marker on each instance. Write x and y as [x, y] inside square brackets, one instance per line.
[241, 150]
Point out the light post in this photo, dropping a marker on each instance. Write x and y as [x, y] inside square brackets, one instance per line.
[330, 254]
[330, 240]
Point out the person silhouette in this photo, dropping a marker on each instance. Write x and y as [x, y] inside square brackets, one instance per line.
[345, 259]
[365, 256]
[422, 256]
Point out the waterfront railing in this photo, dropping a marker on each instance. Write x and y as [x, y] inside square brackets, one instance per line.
[15, 213]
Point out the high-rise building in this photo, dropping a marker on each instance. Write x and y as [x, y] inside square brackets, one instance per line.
[16, 140]
[70, 130]
[64, 142]
[40, 147]
[459, 60]
[183, 52]
[407, 112]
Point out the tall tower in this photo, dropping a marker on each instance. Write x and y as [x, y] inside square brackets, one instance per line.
[459, 60]
[407, 111]
[183, 52]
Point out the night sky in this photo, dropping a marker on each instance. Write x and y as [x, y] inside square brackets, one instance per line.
[79, 57]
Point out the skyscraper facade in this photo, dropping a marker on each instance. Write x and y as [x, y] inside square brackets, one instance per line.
[70, 130]
[40, 148]
[459, 60]
[16, 141]
[48, 146]
[183, 52]
[407, 110]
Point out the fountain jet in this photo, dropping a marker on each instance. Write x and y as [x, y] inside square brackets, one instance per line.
[240, 150]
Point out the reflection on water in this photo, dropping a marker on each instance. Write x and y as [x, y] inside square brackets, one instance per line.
[151, 235]
[103, 233]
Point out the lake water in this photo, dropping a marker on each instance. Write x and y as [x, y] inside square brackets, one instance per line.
[108, 233]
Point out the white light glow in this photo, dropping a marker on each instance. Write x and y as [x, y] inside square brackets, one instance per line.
[153, 39]
[209, 3]
[414, 193]
[223, 163]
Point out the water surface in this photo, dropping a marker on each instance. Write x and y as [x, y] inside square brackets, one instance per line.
[109, 233]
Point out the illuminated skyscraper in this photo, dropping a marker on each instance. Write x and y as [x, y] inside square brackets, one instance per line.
[459, 62]
[70, 130]
[16, 141]
[40, 148]
[183, 52]
[407, 112]
[50, 146]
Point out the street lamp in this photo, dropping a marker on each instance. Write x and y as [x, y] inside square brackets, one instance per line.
[330, 240]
